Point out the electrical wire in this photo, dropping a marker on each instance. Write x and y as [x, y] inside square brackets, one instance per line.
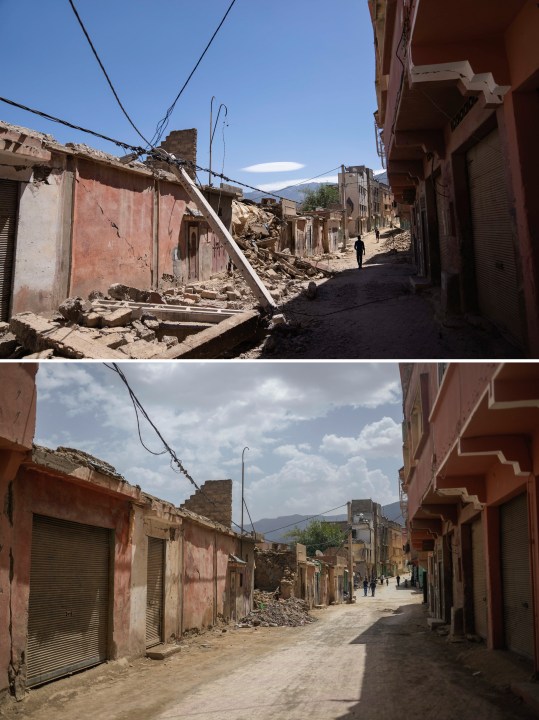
[269, 532]
[109, 81]
[249, 514]
[157, 153]
[40, 113]
[162, 124]
[173, 457]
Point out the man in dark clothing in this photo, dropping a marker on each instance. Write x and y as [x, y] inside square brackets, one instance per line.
[398, 580]
[359, 247]
[373, 587]
[377, 233]
[365, 587]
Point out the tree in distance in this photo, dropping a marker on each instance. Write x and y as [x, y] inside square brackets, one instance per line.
[322, 197]
[318, 535]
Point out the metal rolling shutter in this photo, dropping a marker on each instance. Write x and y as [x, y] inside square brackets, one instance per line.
[479, 580]
[154, 598]
[495, 264]
[9, 191]
[68, 616]
[516, 581]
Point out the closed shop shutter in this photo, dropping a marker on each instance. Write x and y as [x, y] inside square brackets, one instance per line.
[154, 597]
[479, 580]
[495, 264]
[68, 617]
[9, 192]
[516, 582]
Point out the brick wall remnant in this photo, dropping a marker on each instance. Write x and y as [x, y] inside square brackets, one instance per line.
[213, 500]
[182, 144]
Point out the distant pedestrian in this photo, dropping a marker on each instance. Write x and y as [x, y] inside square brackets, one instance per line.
[398, 580]
[359, 247]
[373, 587]
[377, 233]
[365, 587]
[387, 581]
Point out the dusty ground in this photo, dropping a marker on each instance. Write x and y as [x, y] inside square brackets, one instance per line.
[373, 659]
[373, 313]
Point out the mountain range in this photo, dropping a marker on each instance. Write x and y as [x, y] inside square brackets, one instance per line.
[284, 523]
[292, 192]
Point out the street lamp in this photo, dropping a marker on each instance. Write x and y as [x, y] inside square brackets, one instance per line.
[242, 502]
[213, 129]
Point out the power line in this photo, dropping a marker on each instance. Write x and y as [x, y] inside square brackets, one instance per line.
[174, 458]
[135, 128]
[303, 182]
[40, 113]
[249, 514]
[269, 532]
[162, 124]
[157, 153]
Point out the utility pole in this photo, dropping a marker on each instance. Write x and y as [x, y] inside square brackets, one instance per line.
[350, 556]
[242, 501]
[375, 527]
[344, 213]
[211, 136]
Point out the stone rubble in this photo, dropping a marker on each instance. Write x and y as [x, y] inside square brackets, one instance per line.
[271, 612]
[146, 337]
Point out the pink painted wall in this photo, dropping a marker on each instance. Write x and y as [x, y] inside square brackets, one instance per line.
[198, 586]
[171, 231]
[17, 426]
[36, 492]
[112, 229]
[17, 405]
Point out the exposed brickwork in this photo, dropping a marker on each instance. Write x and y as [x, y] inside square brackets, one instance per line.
[213, 500]
[272, 567]
[182, 144]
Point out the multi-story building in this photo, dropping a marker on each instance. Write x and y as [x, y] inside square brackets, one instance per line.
[458, 109]
[471, 463]
[354, 189]
[368, 203]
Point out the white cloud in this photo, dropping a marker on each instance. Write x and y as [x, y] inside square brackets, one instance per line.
[378, 439]
[307, 482]
[208, 412]
[273, 167]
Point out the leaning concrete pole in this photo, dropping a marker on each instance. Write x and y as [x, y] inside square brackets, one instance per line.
[244, 266]
[350, 556]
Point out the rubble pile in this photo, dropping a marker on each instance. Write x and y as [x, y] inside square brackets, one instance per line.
[127, 323]
[271, 612]
[398, 241]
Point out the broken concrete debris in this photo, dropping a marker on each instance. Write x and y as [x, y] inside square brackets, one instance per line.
[144, 324]
[271, 612]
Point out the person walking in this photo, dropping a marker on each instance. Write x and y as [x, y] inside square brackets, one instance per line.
[373, 587]
[365, 587]
[377, 233]
[398, 580]
[359, 247]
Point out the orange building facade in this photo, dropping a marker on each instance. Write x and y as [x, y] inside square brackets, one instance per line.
[471, 467]
[458, 109]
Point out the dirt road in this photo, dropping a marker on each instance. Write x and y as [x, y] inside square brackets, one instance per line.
[373, 313]
[373, 659]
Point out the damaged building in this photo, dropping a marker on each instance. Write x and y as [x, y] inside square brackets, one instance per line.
[94, 569]
[287, 571]
[125, 240]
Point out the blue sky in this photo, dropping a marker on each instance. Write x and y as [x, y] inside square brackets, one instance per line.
[318, 434]
[297, 77]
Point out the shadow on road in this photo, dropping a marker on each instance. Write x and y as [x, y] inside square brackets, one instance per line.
[373, 313]
[408, 670]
